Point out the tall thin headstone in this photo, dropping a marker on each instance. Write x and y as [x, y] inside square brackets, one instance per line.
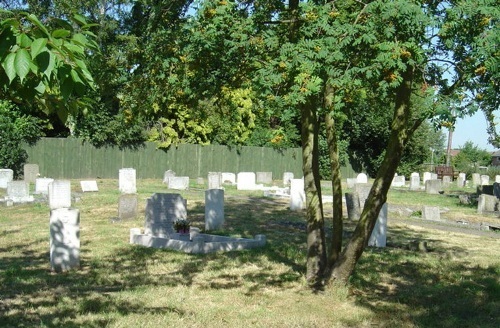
[426, 176]
[214, 209]
[127, 207]
[6, 176]
[31, 172]
[297, 195]
[461, 180]
[378, 238]
[352, 204]
[476, 179]
[415, 181]
[64, 239]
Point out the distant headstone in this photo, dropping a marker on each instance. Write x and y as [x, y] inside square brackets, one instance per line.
[214, 180]
[434, 176]
[476, 179]
[363, 191]
[89, 185]
[127, 181]
[351, 182]
[228, 177]
[378, 238]
[214, 209]
[487, 203]
[6, 176]
[497, 178]
[200, 181]
[19, 191]
[485, 180]
[31, 172]
[42, 185]
[461, 180]
[167, 175]
[446, 181]
[362, 178]
[246, 181]
[287, 176]
[431, 213]
[162, 210]
[264, 177]
[415, 181]
[352, 204]
[426, 176]
[59, 194]
[398, 181]
[127, 206]
[178, 183]
[297, 195]
[433, 186]
[64, 239]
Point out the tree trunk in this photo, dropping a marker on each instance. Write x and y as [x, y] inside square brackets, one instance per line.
[400, 129]
[316, 251]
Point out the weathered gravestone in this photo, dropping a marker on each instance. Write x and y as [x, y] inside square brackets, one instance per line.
[415, 181]
[162, 210]
[214, 180]
[398, 181]
[363, 191]
[229, 178]
[378, 238]
[264, 177]
[446, 181]
[127, 181]
[431, 213]
[178, 183]
[6, 176]
[362, 178]
[127, 206]
[214, 209]
[167, 175]
[461, 180]
[485, 180]
[426, 176]
[31, 172]
[59, 194]
[487, 203]
[351, 182]
[476, 179]
[433, 186]
[352, 204]
[89, 186]
[246, 181]
[64, 239]
[297, 195]
[42, 185]
[19, 192]
[287, 177]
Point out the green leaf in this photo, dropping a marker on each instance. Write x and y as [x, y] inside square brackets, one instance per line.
[33, 19]
[22, 63]
[46, 63]
[14, 22]
[7, 40]
[61, 33]
[40, 88]
[67, 88]
[80, 19]
[38, 46]
[24, 40]
[9, 67]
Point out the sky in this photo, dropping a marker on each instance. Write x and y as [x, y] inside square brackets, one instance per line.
[473, 129]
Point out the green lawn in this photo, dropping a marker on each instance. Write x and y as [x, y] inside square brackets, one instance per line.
[456, 284]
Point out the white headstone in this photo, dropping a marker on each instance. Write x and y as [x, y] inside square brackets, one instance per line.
[178, 183]
[461, 180]
[19, 191]
[433, 186]
[497, 178]
[297, 195]
[228, 177]
[351, 182]
[89, 185]
[476, 179]
[42, 185]
[246, 181]
[167, 175]
[64, 239]
[6, 176]
[446, 181]
[485, 180]
[59, 194]
[431, 213]
[214, 180]
[415, 181]
[127, 181]
[398, 181]
[214, 209]
[264, 177]
[378, 237]
[31, 172]
[362, 178]
[287, 176]
[426, 176]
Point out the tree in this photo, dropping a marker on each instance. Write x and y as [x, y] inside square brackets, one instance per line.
[470, 158]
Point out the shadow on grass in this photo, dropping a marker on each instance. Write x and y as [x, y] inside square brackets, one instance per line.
[427, 289]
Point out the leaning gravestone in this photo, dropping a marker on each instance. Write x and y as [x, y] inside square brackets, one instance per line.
[362, 178]
[287, 177]
[127, 181]
[433, 186]
[264, 177]
[89, 186]
[31, 172]
[19, 192]
[297, 195]
[378, 238]
[59, 194]
[415, 181]
[352, 204]
[167, 175]
[162, 210]
[214, 209]
[42, 185]
[214, 180]
[246, 181]
[6, 176]
[64, 239]
[178, 183]
[127, 206]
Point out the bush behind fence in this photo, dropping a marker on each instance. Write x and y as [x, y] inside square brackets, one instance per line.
[70, 158]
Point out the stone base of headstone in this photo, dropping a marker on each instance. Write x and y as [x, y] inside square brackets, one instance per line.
[127, 207]
[378, 237]
[64, 239]
[214, 209]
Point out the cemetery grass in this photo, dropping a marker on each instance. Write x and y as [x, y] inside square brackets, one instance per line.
[455, 284]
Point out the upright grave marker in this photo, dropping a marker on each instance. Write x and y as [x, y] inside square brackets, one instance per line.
[31, 172]
[214, 209]
[264, 177]
[287, 177]
[6, 176]
[214, 180]
[127, 181]
[246, 181]
[19, 192]
[378, 238]
[162, 209]
[415, 181]
[42, 185]
[297, 195]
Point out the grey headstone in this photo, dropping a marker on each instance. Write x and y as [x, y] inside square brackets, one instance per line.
[363, 191]
[214, 209]
[378, 238]
[433, 186]
[297, 195]
[31, 172]
[487, 203]
[246, 181]
[19, 191]
[178, 183]
[64, 239]
[264, 177]
[162, 209]
[352, 204]
[59, 194]
[127, 206]
[89, 185]
[42, 185]
[214, 180]
[415, 181]
[476, 179]
[287, 176]
[461, 180]
[431, 213]
[167, 175]
[6, 176]
[127, 181]
[446, 181]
